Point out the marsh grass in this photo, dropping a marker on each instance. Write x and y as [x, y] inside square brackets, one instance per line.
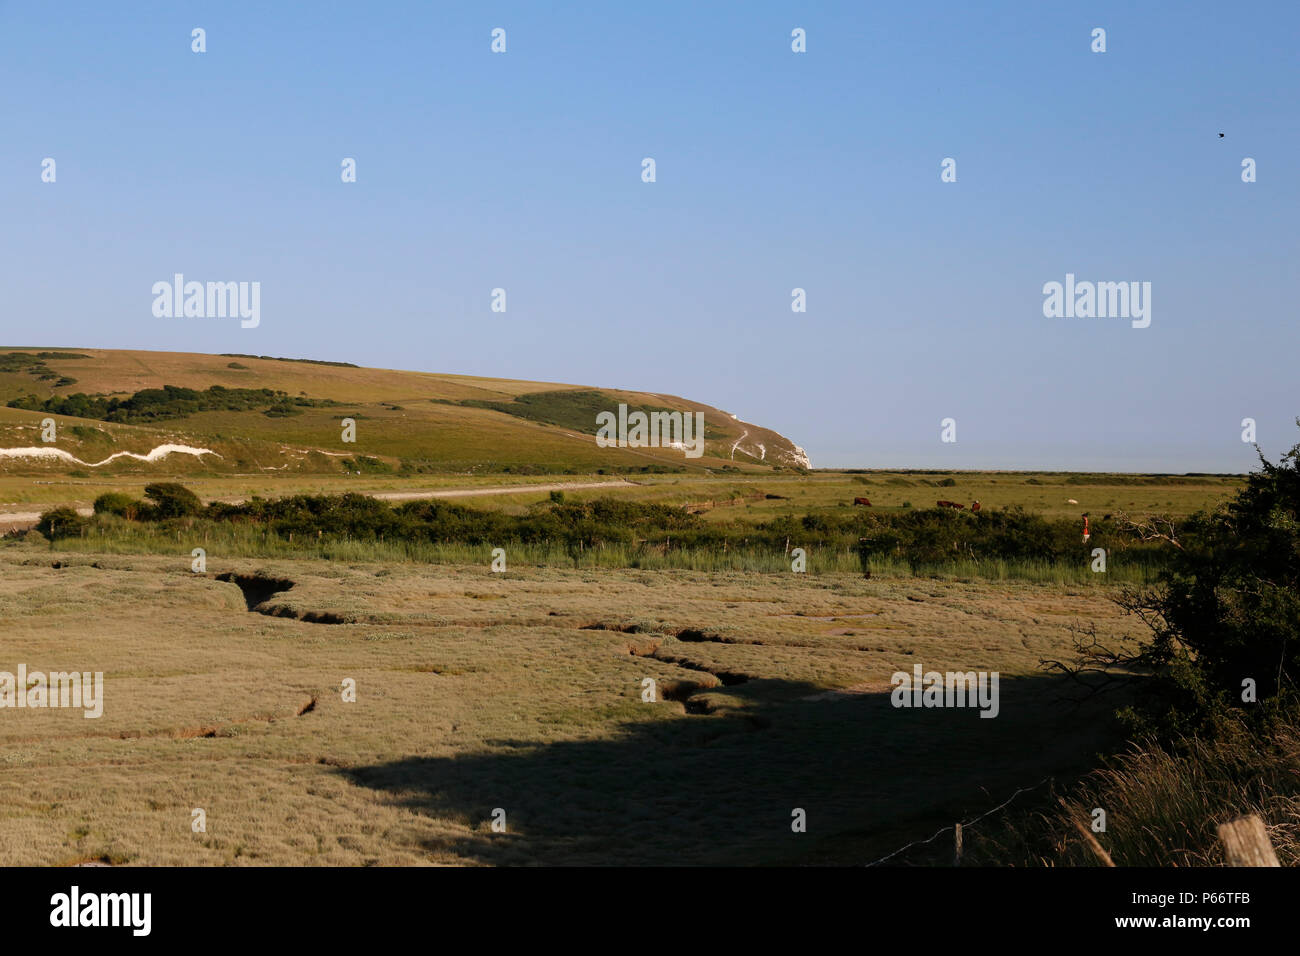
[247, 541]
[520, 690]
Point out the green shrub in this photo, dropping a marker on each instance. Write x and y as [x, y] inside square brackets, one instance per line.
[282, 409]
[1225, 611]
[170, 401]
[915, 539]
[117, 503]
[60, 523]
[172, 500]
[367, 465]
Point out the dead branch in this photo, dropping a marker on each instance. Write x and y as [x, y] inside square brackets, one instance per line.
[1151, 528]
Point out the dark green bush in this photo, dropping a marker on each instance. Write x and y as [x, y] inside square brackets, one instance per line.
[170, 401]
[922, 537]
[171, 500]
[117, 503]
[60, 523]
[367, 465]
[1226, 609]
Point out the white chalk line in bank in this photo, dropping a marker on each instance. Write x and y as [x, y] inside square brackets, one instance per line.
[162, 451]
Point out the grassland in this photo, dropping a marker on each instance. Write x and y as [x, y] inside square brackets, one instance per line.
[421, 432]
[724, 497]
[422, 422]
[520, 691]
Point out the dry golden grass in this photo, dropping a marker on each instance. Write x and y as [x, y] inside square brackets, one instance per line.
[399, 414]
[520, 691]
[1164, 804]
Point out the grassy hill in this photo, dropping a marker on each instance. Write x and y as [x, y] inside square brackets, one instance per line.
[406, 422]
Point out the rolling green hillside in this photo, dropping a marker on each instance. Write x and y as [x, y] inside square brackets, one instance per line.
[263, 415]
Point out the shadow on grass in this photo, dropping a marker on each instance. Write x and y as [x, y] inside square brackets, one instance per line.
[720, 788]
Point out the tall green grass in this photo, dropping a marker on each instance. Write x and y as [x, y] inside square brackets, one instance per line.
[222, 540]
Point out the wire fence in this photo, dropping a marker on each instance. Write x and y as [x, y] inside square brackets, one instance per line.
[964, 826]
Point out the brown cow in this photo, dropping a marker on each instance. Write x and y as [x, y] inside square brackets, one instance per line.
[950, 504]
[862, 501]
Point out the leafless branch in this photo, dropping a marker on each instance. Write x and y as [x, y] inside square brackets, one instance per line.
[1151, 528]
[1095, 665]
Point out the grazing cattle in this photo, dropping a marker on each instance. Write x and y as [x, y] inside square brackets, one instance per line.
[862, 501]
[974, 506]
[950, 504]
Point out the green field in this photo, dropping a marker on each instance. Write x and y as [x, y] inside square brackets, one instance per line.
[419, 422]
[519, 691]
[412, 436]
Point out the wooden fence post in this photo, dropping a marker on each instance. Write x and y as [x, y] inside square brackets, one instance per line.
[956, 860]
[1245, 841]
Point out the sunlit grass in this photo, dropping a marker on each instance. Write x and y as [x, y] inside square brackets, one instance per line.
[245, 541]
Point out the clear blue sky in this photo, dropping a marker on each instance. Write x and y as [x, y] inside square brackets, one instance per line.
[775, 170]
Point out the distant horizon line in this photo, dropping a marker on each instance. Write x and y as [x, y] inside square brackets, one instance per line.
[911, 470]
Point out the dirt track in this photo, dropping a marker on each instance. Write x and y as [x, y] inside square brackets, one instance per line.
[26, 519]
